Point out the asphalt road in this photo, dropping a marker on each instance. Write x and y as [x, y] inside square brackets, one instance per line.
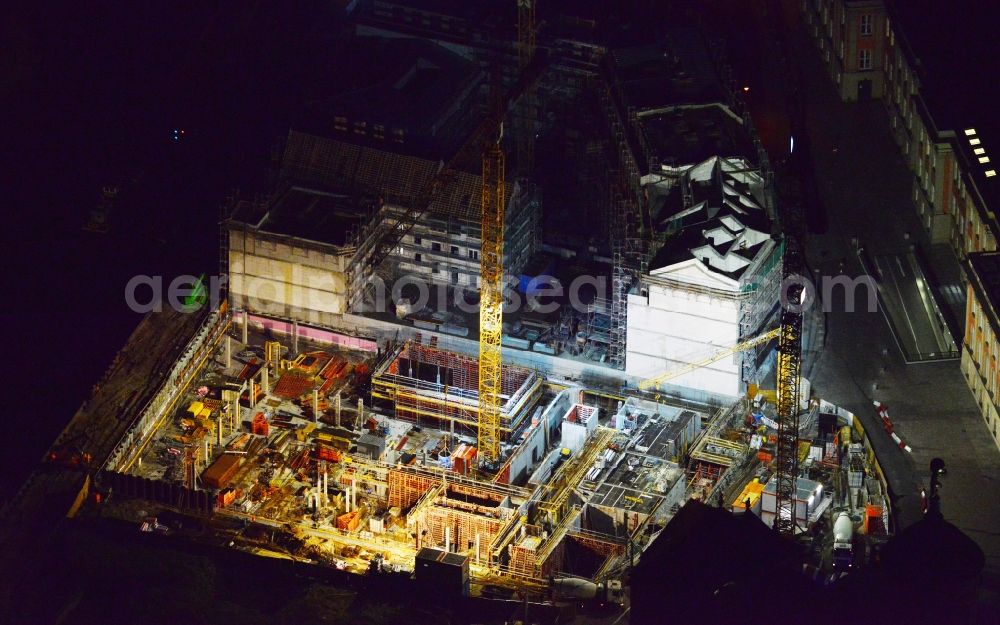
[863, 187]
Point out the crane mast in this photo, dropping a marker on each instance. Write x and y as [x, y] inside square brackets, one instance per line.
[789, 369]
[491, 256]
[491, 299]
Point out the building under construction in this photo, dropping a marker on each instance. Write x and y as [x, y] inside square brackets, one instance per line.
[420, 383]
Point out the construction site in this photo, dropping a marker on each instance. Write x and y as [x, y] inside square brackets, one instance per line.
[317, 416]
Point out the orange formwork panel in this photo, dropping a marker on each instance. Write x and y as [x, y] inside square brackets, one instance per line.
[464, 526]
[405, 489]
[349, 521]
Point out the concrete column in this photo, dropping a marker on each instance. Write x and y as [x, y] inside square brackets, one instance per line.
[218, 427]
[265, 380]
[246, 328]
[229, 351]
[295, 337]
[316, 405]
[477, 548]
[336, 408]
[447, 538]
[361, 412]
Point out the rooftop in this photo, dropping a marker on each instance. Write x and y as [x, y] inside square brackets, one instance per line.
[417, 102]
[691, 134]
[724, 225]
[396, 178]
[307, 214]
[677, 70]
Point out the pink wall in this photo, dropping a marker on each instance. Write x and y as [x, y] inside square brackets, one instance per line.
[313, 334]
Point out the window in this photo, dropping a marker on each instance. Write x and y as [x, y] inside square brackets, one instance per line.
[418, 257]
[454, 250]
[436, 247]
[474, 254]
[867, 25]
[864, 59]
[418, 241]
[454, 277]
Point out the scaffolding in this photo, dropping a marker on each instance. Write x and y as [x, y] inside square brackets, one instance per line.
[759, 298]
[625, 204]
[424, 383]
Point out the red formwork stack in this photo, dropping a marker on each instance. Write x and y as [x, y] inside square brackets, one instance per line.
[405, 488]
[259, 425]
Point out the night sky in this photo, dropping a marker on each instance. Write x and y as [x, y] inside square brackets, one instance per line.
[94, 93]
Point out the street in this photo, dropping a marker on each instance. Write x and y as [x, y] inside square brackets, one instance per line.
[864, 190]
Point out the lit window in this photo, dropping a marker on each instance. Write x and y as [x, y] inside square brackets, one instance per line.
[969, 132]
[974, 141]
[979, 151]
[984, 159]
[990, 173]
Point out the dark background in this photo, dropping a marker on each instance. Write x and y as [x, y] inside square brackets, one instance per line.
[92, 93]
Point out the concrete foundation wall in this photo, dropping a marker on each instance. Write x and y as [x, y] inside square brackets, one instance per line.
[276, 277]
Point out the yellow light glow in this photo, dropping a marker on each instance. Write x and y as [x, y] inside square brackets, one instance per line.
[970, 131]
[984, 159]
[979, 151]
[974, 141]
[990, 173]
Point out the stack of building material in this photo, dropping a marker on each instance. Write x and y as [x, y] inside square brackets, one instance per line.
[219, 474]
[293, 384]
[349, 521]
[751, 496]
[463, 458]
[260, 426]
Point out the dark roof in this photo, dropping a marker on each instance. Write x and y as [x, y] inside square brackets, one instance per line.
[689, 226]
[677, 70]
[311, 215]
[710, 566]
[420, 87]
[690, 135]
[956, 45]
[397, 178]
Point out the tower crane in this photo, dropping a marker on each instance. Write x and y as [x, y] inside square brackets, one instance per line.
[653, 382]
[786, 456]
[373, 251]
[491, 257]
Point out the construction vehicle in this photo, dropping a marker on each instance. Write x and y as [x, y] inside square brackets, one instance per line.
[71, 458]
[576, 589]
[69, 454]
[843, 542]
[653, 382]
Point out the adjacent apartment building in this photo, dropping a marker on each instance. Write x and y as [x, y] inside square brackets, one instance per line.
[849, 34]
[941, 115]
[982, 332]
